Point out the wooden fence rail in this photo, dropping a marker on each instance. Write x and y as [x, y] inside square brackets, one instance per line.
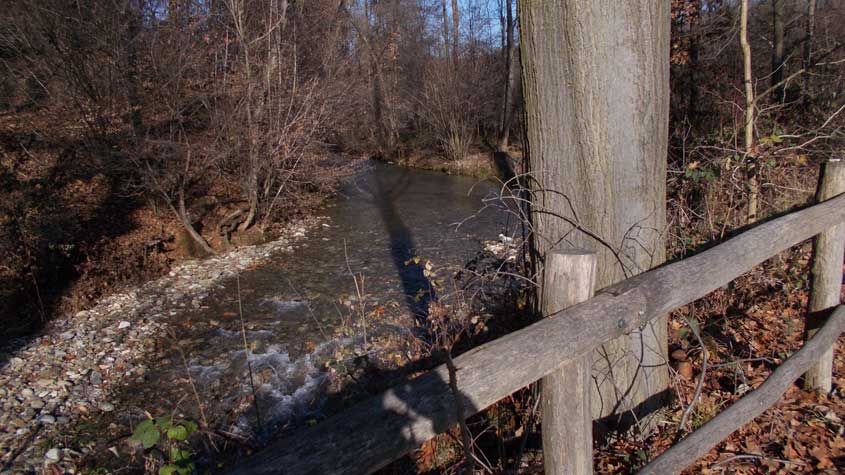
[383, 428]
[697, 444]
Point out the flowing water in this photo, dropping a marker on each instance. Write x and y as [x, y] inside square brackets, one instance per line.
[380, 223]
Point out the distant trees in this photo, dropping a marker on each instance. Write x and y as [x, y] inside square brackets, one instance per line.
[233, 102]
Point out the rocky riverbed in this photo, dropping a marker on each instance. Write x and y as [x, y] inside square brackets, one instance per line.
[76, 366]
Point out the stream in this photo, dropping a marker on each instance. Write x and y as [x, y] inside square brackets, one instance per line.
[385, 227]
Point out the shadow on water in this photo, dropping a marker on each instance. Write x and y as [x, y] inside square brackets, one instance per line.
[415, 285]
[382, 429]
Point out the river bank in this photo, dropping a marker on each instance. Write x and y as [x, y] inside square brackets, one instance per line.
[260, 340]
[53, 382]
[480, 164]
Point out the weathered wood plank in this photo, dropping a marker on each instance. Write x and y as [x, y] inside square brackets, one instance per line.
[828, 250]
[697, 444]
[569, 278]
[387, 426]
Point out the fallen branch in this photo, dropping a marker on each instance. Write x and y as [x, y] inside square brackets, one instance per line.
[697, 444]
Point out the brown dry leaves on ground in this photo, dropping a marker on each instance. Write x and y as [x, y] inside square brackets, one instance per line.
[748, 330]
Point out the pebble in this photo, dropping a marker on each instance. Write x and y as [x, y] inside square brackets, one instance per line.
[47, 419]
[65, 370]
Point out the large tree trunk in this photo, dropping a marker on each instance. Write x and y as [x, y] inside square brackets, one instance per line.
[777, 49]
[596, 92]
[510, 82]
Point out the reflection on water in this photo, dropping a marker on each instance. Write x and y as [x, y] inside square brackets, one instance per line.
[381, 222]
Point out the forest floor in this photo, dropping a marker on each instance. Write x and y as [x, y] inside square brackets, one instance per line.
[748, 328]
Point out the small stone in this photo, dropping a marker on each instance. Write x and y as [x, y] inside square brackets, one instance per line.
[53, 455]
[106, 407]
[47, 419]
[68, 335]
[37, 404]
[96, 377]
[124, 324]
[62, 420]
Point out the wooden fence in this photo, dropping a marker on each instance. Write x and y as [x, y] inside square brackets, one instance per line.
[383, 428]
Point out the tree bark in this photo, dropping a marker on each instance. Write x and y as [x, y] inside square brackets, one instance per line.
[826, 293]
[182, 213]
[596, 93]
[777, 50]
[753, 185]
[509, 82]
[808, 43]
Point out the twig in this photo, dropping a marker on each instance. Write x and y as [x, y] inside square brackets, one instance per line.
[698, 387]
[359, 291]
[193, 387]
[466, 438]
[517, 460]
[755, 457]
[247, 353]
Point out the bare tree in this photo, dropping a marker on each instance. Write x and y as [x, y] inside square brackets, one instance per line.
[808, 42]
[748, 127]
[456, 28]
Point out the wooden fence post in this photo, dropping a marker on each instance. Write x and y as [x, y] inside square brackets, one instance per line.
[569, 278]
[828, 248]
